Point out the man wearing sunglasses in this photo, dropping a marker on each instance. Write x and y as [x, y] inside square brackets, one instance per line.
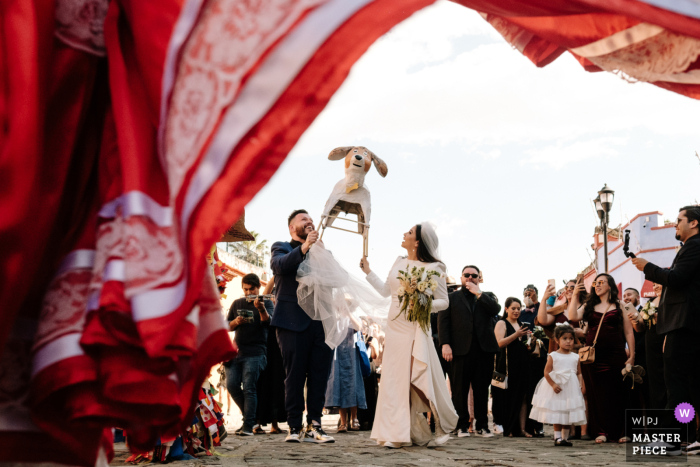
[679, 318]
[467, 338]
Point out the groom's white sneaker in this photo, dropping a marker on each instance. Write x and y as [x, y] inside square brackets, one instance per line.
[294, 436]
[315, 434]
[463, 433]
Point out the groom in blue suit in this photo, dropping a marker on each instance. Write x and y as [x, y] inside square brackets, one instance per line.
[307, 358]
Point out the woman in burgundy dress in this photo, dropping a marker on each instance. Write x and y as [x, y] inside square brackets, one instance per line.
[607, 394]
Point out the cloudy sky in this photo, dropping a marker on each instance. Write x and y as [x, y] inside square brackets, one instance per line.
[504, 157]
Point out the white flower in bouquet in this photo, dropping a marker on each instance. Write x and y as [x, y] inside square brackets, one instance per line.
[401, 291]
[433, 283]
[422, 286]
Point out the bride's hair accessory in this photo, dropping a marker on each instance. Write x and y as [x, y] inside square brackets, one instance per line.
[428, 243]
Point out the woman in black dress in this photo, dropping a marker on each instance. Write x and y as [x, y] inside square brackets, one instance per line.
[514, 360]
[608, 394]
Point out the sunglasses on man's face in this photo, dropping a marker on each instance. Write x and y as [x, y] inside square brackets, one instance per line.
[473, 276]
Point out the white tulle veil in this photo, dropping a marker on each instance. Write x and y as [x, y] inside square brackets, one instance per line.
[328, 293]
[429, 239]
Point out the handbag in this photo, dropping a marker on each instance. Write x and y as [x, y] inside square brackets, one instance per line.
[500, 380]
[365, 367]
[586, 354]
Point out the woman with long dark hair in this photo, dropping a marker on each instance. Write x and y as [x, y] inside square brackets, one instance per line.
[608, 396]
[412, 379]
[514, 359]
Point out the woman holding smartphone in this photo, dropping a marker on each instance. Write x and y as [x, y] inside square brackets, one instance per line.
[514, 359]
[607, 393]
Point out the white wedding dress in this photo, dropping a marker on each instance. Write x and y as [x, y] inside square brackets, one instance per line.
[410, 360]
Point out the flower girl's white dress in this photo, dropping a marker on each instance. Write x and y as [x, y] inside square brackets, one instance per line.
[567, 407]
[410, 358]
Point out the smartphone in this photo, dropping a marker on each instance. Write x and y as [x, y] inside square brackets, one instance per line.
[629, 308]
[579, 277]
[553, 283]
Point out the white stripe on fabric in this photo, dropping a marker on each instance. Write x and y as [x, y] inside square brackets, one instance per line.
[157, 303]
[208, 325]
[683, 7]
[193, 317]
[181, 31]
[115, 270]
[62, 348]
[618, 40]
[138, 203]
[263, 89]
[93, 302]
[77, 259]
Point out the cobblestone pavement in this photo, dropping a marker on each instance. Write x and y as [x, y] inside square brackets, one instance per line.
[356, 448]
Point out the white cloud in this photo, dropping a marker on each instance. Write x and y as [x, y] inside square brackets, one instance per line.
[560, 154]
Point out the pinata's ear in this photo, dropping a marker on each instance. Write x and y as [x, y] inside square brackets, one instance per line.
[379, 164]
[339, 153]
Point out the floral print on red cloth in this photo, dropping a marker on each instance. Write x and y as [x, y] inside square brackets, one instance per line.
[226, 44]
[63, 309]
[79, 24]
[150, 252]
[663, 57]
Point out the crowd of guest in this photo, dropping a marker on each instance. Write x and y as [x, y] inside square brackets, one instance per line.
[255, 378]
[575, 358]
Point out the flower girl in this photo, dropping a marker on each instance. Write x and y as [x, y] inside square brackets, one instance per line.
[558, 399]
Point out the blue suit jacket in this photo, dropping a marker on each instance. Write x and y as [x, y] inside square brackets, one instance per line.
[284, 264]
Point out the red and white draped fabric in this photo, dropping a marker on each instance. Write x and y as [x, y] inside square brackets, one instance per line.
[133, 133]
[654, 41]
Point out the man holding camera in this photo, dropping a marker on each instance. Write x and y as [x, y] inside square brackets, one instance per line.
[679, 317]
[468, 341]
[250, 320]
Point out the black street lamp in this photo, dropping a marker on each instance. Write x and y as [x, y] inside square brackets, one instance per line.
[603, 204]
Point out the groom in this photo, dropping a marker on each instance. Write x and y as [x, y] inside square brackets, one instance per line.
[307, 358]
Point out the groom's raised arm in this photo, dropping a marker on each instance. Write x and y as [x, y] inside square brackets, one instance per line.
[283, 261]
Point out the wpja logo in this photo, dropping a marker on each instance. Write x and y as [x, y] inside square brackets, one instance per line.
[657, 435]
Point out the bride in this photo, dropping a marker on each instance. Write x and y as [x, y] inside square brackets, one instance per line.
[412, 380]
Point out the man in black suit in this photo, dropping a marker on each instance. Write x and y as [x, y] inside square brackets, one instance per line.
[679, 318]
[307, 358]
[468, 341]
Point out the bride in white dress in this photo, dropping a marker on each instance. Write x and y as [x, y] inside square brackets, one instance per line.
[412, 381]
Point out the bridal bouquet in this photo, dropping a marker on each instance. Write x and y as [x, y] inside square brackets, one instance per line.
[648, 313]
[534, 342]
[416, 295]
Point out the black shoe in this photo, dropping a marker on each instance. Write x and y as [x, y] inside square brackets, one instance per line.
[484, 433]
[315, 434]
[538, 434]
[562, 442]
[294, 435]
[244, 431]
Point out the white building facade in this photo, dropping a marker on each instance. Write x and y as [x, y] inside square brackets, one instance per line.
[650, 239]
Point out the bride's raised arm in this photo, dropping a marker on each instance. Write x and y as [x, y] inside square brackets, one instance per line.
[440, 299]
[383, 288]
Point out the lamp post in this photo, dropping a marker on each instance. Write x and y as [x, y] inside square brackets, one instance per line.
[603, 204]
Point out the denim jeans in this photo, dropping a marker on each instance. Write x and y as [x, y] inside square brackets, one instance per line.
[245, 371]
